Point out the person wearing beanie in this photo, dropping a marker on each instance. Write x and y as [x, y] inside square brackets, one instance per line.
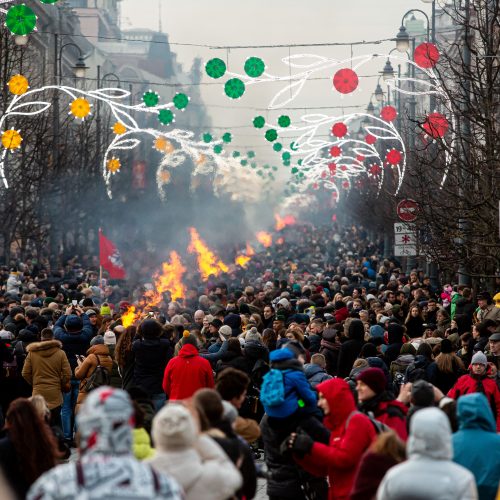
[395, 334]
[446, 368]
[478, 380]
[152, 352]
[376, 402]
[110, 341]
[105, 458]
[98, 339]
[196, 461]
[187, 372]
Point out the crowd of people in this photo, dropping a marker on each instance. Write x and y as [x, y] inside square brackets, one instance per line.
[321, 367]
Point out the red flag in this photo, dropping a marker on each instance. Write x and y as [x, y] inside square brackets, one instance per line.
[110, 258]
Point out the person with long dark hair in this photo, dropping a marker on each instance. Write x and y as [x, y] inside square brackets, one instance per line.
[124, 356]
[29, 448]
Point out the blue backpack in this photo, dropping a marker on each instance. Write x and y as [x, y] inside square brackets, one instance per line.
[272, 392]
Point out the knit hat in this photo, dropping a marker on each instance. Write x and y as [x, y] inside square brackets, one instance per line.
[376, 331]
[90, 312]
[105, 311]
[173, 428]
[225, 332]
[479, 359]
[109, 338]
[73, 323]
[98, 339]
[422, 393]
[253, 334]
[446, 346]
[104, 422]
[374, 378]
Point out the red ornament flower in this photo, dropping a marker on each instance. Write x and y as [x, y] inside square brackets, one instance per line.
[345, 184]
[343, 168]
[426, 55]
[339, 129]
[360, 158]
[388, 113]
[370, 139]
[375, 170]
[335, 151]
[324, 174]
[332, 167]
[436, 125]
[394, 157]
[345, 81]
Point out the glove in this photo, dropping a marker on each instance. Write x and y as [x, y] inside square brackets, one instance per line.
[302, 444]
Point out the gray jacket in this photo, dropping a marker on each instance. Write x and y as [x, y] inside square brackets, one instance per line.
[429, 471]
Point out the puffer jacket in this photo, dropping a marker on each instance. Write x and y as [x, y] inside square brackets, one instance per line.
[468, 384]
[46, 369]
[295, 382]
[87, 368]
[429, 471]
[351, 435]
[315, 374]
[477, 433]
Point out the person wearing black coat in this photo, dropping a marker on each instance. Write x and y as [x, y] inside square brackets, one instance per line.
[351, 348]
[152, 352]
[24, 339]
[330, 348]
[233, 358]
[395, 335]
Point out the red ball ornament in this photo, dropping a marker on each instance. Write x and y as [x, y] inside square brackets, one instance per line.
[426, 55]
[332, 167]
[370, 139]
[436, 125]
[335, 151]
[393, 157]
[345, 81]
[339, 130]
[388, 113]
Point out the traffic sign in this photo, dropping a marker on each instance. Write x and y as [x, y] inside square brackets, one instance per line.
[405, 239]
[407, 210]
[404, 228]
[405, 250]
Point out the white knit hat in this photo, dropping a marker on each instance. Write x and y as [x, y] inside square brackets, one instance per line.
[109, 338]
[174, 428]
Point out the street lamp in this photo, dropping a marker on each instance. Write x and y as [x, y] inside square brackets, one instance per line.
[388, 71]
[379, 93]
[80, 68]
[21, 40]
[370, 109]
[402, 40]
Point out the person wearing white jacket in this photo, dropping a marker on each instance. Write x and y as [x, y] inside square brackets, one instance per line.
[195, 460]
[429, 471]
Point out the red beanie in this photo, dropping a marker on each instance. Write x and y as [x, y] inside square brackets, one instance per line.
[374, 378]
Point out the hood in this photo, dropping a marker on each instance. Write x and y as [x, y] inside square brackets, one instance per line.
[254, 349]
[474, 412]
[430, 435]
[311, 369]
[281, 355]
[395, 333]
[45, 348]
[27, 336]
[339, 396]
[188, 351]
[356, 330]
[99, 349]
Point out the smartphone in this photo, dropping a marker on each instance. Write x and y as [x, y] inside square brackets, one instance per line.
[74, 302]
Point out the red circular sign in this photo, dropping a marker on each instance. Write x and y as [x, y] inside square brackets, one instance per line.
[408, 210]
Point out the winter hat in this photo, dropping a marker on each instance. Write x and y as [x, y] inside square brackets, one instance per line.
[253, 334]
[105, 311]
[173, 428]
[479, 359]
[422, 393]
[446, 346]
[88, 302]
[225, 332]
[374, 378]
[73, 323]
[98, 339]
[376, 331]
[104, 422]
[280, 317]
[383, 319]
[285, 303]
[90, 312]
[370, 297]
[109, 338]
[216, 322]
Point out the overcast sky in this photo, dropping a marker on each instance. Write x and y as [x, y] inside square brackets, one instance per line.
[269, 22]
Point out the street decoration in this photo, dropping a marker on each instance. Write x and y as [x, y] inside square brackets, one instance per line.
[20, 19]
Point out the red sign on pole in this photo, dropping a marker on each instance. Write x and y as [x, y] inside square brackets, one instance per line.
[408, 210]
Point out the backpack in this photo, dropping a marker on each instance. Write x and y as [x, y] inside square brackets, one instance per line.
[272, 392]
[377, 425]
[99, 377]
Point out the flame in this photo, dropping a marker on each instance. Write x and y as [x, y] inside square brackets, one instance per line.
[129, 317]
[250, 251]
[170, 278]
[280, 241]
[264, 238]
[242, 260]
[282, 222]
[208, 263]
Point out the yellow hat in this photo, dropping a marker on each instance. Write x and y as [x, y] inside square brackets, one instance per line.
[185, 333]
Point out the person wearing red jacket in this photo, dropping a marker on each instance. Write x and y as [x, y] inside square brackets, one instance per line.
[377, 403]
[351, 435]
[478, 380]
[187, 372]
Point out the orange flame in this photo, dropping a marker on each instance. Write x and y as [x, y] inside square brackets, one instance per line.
[282, 222]
[242, 260]
[169, 280]
[280, 241]
[208, 263]
[265, 239]
[250, 251]
[129, 317]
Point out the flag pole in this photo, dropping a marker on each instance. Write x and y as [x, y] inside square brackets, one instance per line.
[100, 266]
